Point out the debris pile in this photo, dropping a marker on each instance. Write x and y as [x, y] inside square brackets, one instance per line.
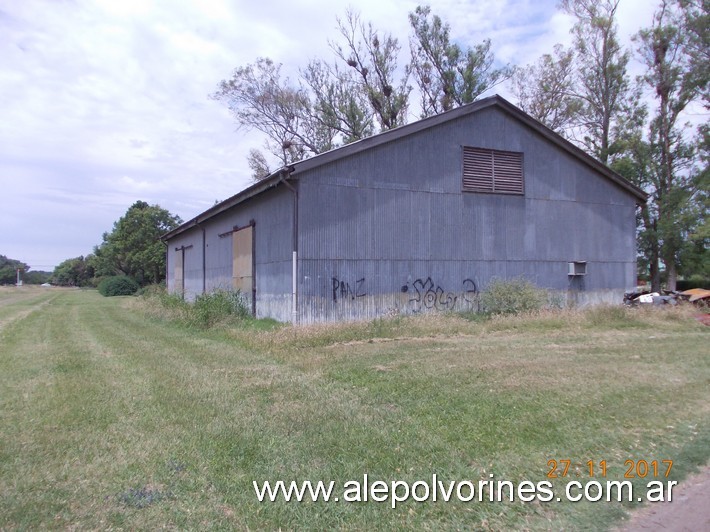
[699, 296]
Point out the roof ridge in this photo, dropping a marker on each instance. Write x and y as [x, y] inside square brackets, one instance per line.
[390, 135]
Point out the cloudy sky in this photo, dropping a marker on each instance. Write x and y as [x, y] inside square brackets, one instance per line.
[105, 102]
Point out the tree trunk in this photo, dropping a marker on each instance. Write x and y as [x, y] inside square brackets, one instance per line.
[655, 278]
[654, 270]
[652, 251]
[672, 274]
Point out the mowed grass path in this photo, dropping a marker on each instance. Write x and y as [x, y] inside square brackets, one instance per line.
[112, 418]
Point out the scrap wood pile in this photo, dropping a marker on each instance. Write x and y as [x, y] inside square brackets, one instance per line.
[698, 296]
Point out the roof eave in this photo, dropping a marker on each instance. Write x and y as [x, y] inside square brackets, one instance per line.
[275, 178]
[265, 184]
[392, 134]
[574, 150]
[491, 101]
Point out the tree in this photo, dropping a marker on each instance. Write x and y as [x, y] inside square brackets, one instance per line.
[602, 86]
[340, 102]
[695, 21]
[675, 181]
[134, 248]
[635, 166]
[694, 256]
[374, 58]
[36, 277]
[545, 90]
[327, 106]
[259, 166]
[78, 271]
[362, 92]
[260, 99]
[8, 269]
[447, 75]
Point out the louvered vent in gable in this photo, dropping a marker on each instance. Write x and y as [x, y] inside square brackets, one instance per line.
[492, 171]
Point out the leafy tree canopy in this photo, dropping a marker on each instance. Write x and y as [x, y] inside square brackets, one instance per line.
[448, 75]
[74, 272]
[36, 277]
[545, 89]
[675, 170]
[134, 248]
[364, 89]
[8, 269]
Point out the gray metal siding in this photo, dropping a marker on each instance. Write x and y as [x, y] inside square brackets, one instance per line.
[388, 229]
[272, 213]
[395, 216]
[192, 263]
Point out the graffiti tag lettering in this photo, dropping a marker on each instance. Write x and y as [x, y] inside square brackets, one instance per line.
[343, 290]
[427, 295]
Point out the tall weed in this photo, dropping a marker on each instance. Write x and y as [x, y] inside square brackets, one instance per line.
[208, 310]
[217, 307]
[512, 296]
[611, 317]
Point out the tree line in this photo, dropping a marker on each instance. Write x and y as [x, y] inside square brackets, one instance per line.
[132, 248]
[584, 92]
[8, 272]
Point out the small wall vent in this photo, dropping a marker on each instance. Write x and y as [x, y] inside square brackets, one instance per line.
[578, 267]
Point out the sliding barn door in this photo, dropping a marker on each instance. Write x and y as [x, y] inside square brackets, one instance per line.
[179, 270]
[243, 263]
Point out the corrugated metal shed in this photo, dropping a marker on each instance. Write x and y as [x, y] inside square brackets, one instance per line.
[383, 225]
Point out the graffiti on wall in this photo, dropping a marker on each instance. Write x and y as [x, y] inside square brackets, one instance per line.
[344, 290]
[470, 293]
[426, 295]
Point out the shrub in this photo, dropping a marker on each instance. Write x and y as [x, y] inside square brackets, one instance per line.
[219, 305]
[696, 281]
[207, 310]
[119, 285]
[160, 303]
[512, 296]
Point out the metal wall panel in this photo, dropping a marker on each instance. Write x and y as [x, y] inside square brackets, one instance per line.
[188, 249]
[272, 213]
[382, 225]
[389, 230]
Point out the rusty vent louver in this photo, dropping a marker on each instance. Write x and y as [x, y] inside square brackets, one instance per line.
[492, 171]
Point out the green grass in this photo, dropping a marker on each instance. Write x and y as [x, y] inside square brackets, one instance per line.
[114, 416]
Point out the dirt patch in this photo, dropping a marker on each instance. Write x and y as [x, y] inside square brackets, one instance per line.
[689, 510]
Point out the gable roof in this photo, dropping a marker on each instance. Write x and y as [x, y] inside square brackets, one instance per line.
[495, 101]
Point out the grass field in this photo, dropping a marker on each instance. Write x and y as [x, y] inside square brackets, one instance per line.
[112, 417]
